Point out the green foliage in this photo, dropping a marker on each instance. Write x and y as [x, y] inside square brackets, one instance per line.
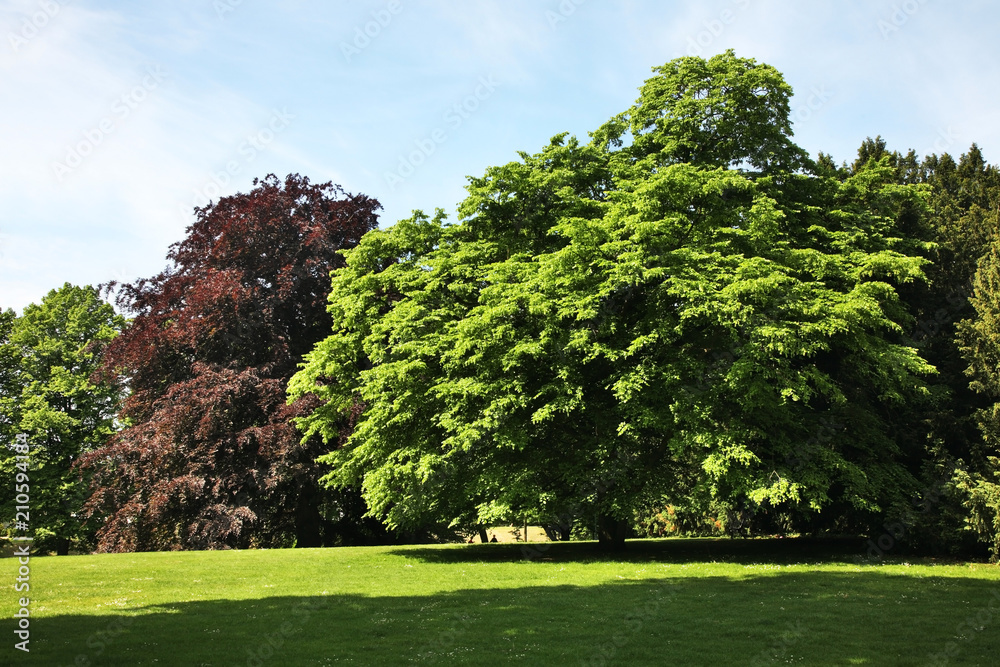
[678, 521]
[47, 357]
[679, 309]
[939, 434]
[725, 111]
[965, 221]
[980, 338]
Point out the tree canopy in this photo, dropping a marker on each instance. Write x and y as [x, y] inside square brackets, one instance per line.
[980, 339]
[681, 323]
[674, 309]
[47, 356]
[208, 457]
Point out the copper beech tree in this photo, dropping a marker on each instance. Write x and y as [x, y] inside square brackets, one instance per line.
[207, 456]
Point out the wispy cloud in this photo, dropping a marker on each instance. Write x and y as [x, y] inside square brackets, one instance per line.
[223, 77]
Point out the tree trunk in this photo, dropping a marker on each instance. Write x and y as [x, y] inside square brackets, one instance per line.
[611, 533]
[308, 521]
[565, 529]
[559, 531]
[483, 537]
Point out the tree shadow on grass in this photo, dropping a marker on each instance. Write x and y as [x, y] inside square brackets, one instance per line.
[684, 550]
[863, 617]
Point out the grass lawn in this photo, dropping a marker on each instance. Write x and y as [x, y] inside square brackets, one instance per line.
[664, 602]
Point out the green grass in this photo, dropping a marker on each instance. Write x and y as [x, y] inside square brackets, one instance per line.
[670, 602]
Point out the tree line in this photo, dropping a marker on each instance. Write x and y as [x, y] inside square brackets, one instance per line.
[683, 325]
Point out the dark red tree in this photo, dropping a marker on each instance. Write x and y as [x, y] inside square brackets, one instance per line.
[209, 457]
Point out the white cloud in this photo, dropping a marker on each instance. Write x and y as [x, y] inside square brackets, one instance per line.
[109, 146]
[131, 196]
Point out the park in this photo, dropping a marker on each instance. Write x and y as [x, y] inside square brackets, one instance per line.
[673, 601]
[675, 392]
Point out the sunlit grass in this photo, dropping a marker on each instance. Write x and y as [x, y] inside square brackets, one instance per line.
[672, 602]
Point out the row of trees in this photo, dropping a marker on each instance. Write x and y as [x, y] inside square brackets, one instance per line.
[202, 452]
[684, 312]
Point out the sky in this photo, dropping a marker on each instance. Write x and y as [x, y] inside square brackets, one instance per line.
[117, 118]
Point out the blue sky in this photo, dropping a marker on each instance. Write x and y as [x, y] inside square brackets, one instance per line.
[118, 118]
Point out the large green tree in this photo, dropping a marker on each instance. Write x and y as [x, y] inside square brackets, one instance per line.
[47, 357]
[674, 309]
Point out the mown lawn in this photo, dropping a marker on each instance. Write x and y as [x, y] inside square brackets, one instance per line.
[669, 602]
